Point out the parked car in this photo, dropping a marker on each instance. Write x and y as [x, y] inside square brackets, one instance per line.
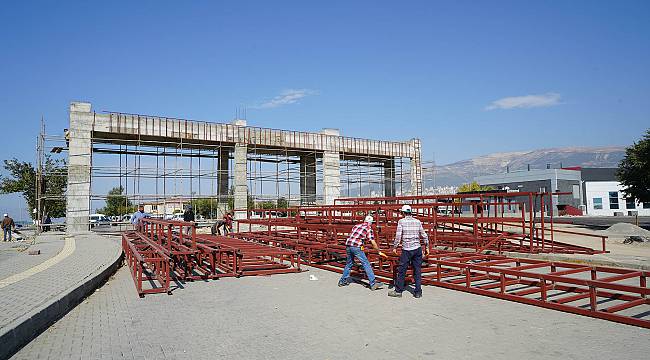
[177, 217]
[98, 219]
[448, 210]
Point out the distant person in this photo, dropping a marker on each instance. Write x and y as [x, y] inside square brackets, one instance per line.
[138, 216]
[228, 227]
[225, 223]
[409, 232]
[188, 216]
[353, 248]
[47, 222]
[7, 226]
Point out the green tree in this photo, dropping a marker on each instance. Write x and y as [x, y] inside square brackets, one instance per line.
[205, 207]
[283, 203]
[117, 204]
[473, 187]
[22, 179]
[634, 170]
[266, 205]
[250, 201]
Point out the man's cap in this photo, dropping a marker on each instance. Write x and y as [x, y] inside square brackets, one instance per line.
[406, 208]
[6, 215]
[369, 219]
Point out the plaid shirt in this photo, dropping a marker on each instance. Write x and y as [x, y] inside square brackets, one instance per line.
[360, 233]
[409, 232]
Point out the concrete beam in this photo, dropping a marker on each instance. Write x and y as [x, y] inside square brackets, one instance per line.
[166, 130]
[79, 167]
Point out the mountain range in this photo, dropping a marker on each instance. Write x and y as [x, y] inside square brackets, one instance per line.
[466, 170]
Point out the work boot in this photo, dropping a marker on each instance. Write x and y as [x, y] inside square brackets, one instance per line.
[344, 283]
[377, 285]
[417, 295]
[394, 293]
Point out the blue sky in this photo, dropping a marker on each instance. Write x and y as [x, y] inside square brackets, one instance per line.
[467, 78]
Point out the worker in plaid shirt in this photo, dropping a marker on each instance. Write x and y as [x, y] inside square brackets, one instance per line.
[358, 235]
[409, 233]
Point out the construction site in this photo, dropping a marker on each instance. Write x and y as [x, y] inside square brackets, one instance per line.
[295, 197]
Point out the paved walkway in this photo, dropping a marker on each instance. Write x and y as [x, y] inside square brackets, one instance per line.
[14, 258]
[33, 288]
[291, 317]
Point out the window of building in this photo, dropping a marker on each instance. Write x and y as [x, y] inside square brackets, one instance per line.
[613, 199]
[630, 203]
[646, 205]
[598, 203]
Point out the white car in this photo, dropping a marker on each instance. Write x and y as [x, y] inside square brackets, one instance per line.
[98, 219]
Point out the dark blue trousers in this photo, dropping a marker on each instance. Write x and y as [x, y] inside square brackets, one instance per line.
[414, 259]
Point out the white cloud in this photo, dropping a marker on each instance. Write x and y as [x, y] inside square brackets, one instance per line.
[524, 102]
[287, 97]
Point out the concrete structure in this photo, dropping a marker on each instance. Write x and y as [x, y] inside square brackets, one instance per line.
[236, 141]
[79, 166]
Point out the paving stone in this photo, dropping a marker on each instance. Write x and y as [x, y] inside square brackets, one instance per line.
[13, 261]
[290, 317]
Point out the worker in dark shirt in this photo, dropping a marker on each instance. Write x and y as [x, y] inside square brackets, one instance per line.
[7, 226]
[225, 223]
[188, 216]
[228, 219]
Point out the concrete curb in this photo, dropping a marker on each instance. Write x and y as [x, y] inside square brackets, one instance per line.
[24, 329]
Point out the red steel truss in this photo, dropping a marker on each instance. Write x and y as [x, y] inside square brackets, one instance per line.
[502, 223]
[610, 293]
[160, 251]
[279, 240]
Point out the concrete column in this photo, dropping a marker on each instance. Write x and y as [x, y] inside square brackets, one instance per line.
[308, 179]
[240, 178]
[222, 176]
[331, 176]
[389, 178]
[79, 166]
[416, 168]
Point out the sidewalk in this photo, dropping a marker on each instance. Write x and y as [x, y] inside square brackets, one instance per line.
[37, 290]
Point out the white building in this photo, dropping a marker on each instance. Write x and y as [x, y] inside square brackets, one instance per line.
[164, 208]
[607, 198]
[589, 191]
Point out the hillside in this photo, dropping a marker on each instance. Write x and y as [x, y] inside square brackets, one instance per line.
[465, 170]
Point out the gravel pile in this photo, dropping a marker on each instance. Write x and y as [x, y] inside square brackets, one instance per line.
[631, 232]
